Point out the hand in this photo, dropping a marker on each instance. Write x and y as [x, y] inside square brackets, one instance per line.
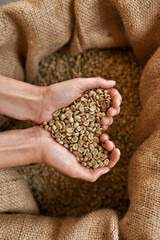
[62, 94]
[24, 101]
[61, 159]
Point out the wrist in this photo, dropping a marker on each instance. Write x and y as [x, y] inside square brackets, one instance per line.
[20, 100]
[32, 103]
[45, 106]
[37, 135]
[19, 147]
[32, 138]
[41, 138]
[36, 107]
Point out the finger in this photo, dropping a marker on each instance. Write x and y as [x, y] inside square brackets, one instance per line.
[109, 145]
[114, 157]
[104, 137]
[89, 174]
[116, 101]
[95, 82]
[105, 127]
[116, 97]
[106, 120]
[118, 110]
[112, 112]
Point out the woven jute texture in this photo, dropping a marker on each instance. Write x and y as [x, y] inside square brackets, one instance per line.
[32, 29]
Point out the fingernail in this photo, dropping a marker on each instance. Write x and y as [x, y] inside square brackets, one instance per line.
[105, 127]
[114, 111]
[107, 121]
[119, 103]
[112, 81]
[119, 151]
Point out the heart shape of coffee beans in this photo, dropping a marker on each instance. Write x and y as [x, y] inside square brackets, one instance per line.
[78, 127]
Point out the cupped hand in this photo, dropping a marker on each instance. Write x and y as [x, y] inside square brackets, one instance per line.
[61, 159]
[62, 94]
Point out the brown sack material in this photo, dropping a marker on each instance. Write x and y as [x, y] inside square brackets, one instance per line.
[142, 221]
[102, 224]
[14, 194]
[31, 29]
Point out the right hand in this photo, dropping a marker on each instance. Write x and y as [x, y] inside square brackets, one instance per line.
[60, 158]
[62, 94]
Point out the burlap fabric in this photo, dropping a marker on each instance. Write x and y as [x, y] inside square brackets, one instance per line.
[31, 29]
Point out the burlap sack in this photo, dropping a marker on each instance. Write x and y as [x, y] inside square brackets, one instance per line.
[31, 29]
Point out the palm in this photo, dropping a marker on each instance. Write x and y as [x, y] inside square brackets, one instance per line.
[64, 161]
[58, 156]
[58, 96]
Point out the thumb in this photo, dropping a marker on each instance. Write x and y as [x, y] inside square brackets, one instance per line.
[89, 174]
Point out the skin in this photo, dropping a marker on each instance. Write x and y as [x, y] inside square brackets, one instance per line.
[34, 145]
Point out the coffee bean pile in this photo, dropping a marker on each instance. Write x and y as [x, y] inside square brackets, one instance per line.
[78, 127]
